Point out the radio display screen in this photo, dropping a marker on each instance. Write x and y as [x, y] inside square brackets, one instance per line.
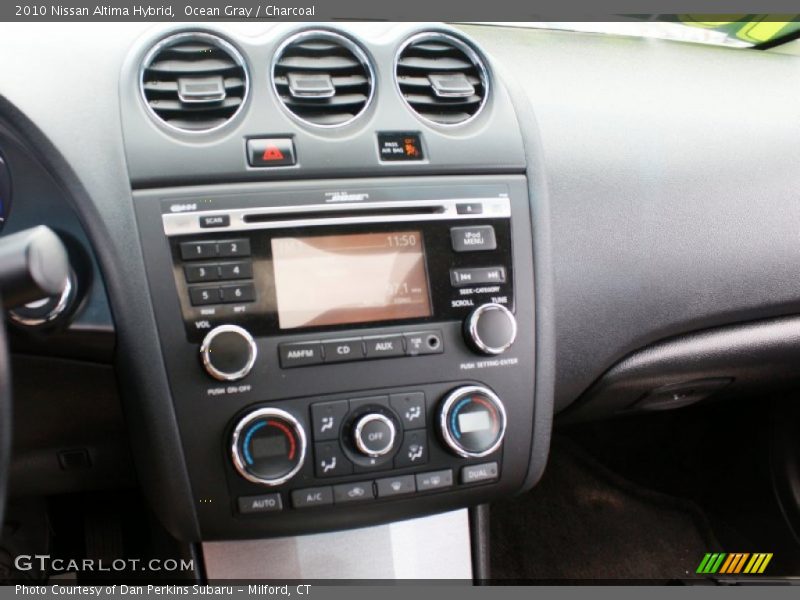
[351, 278]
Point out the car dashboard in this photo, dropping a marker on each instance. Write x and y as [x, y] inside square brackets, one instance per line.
[341, 275]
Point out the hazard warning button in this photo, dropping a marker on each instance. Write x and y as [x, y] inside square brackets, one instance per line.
[270, 152]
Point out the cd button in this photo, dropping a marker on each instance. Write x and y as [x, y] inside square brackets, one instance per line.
[343, 350]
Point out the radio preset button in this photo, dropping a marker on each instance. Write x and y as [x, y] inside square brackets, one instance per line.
[300, 354]
[473, 239]
[331, 461]
[411, 408]
[385, 346]
[202, 296]
[424, 342]
[327, 419]
[232, 294]
[235, 270]
[482, 275]
[343, 350]
[198, 250]
[396, 486]
[200, 273]
[233, 248]
[310, 497]
[353, 492]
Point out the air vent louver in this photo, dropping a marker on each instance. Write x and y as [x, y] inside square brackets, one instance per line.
[441, 78]
[322, 78]
[194, 81]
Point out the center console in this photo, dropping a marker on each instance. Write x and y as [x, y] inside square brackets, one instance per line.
[344, 353]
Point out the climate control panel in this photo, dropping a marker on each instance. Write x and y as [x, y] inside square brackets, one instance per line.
[382, 446]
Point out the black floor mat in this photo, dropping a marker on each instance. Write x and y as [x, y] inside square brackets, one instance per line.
[583, 522]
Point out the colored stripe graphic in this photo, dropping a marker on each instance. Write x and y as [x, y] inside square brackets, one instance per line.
[734, 563]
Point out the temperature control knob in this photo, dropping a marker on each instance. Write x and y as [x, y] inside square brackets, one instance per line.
[268, 446]
[374, 435]
[228, 352]
[472, 421]
[491, 329]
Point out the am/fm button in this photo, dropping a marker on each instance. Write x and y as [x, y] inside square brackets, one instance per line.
[300, 354]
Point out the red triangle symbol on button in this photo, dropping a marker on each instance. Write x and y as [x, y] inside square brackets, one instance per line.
[272, 153]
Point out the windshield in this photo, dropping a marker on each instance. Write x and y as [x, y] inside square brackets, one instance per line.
[742, 31]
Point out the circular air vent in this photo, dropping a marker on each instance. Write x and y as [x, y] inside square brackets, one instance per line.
[322, 78]
[441, 78]
[194, 81]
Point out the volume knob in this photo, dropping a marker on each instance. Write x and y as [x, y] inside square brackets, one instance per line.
[228, 352]
[491, 329]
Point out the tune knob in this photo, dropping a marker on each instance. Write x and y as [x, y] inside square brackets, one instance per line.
[491, 329]
[472, 421]
[268, 446]
[374, 435]
[228, 352]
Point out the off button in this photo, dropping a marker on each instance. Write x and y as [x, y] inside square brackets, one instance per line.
[473, 239]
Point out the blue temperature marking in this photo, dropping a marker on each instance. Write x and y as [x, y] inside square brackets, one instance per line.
[246, 445]
[456, 430]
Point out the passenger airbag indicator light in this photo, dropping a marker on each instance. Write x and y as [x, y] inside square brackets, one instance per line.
[400, 146]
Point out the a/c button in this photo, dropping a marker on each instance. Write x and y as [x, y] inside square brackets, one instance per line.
[343, 350]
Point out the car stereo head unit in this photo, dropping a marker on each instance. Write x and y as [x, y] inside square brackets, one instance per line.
[285, 269]
[345, 355]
